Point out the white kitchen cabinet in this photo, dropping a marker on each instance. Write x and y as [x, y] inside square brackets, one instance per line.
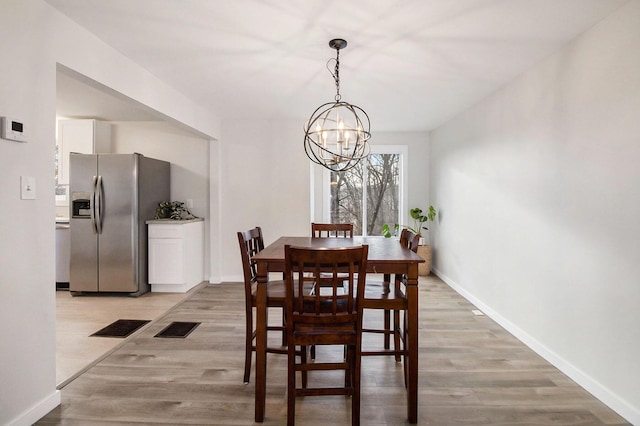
[176, 254]
[82, 136]
[63, 252]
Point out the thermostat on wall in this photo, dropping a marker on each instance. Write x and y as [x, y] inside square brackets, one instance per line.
[13, 130]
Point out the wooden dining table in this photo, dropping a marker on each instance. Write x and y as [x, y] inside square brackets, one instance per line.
[386, 256]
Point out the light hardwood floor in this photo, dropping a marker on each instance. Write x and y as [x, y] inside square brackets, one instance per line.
[472, 372]
[78, 317]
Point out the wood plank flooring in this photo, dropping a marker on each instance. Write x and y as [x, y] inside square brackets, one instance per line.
[78, 317]
[472, 372]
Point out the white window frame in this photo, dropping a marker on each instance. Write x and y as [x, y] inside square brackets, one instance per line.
[403, 151]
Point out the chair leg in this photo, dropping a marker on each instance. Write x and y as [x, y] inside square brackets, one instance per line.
[396, 334]
[396, 321]
[387, 317]
[291, 386]
[355, 400]
[303, 360]
[404, 346]
[284, 328]
[387, 328]
[348, 373]
[247, 347]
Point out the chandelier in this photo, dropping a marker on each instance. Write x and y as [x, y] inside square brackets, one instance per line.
[336, 136]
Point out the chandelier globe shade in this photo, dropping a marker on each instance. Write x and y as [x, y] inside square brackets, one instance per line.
[337, 133]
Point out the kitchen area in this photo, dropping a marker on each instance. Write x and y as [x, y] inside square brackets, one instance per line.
[97, 125]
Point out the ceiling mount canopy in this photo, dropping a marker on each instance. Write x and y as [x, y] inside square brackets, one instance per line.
[337, 134]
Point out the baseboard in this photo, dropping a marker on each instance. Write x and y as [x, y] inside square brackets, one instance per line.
[613, 401]
[172, 288]
[38, 411]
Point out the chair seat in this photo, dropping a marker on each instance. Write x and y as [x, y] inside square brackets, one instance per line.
[276, 292]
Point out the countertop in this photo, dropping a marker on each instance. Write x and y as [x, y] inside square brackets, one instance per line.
[173, 222]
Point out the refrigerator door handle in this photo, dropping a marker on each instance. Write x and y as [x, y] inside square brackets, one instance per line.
[99, 209]
[92, 205]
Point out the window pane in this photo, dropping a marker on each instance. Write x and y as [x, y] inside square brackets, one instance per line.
[346, 197]
[380, 172]
[383, 187]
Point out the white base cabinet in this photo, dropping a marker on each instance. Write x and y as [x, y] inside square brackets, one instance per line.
[176, 254]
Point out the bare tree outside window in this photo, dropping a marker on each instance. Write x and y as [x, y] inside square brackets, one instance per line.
[379, 177]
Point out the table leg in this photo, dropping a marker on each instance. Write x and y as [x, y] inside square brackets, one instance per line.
[261, 342]
[412, 344]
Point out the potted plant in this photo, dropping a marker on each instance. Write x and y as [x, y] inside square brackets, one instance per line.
[419, 219]
[174, 210]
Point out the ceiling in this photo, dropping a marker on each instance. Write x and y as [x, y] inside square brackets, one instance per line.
[79, 97]
[411, 64]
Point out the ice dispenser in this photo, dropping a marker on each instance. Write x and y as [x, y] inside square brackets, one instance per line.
[80, 205]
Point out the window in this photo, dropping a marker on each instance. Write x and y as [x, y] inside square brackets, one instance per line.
[370, 194]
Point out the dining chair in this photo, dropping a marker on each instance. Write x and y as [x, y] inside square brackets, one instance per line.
[251, 243]
[330, 315]
[384, 296]
[326, 230]
[330, 230]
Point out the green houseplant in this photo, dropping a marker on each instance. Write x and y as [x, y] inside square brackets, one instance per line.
[419, 220]
[174, 210]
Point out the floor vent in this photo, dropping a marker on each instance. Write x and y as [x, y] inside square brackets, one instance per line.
[120, 328]
[178, 330]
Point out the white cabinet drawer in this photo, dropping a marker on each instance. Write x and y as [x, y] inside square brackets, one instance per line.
[166, 231]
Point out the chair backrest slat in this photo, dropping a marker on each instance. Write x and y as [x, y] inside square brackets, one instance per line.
[327, 230]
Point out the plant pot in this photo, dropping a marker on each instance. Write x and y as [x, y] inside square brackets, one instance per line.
[425, 253]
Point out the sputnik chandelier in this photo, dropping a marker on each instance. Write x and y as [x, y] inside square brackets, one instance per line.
[336, 136]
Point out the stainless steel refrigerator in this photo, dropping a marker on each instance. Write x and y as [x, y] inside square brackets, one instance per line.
[112, 196]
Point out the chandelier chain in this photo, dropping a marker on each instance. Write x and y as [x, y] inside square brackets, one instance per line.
[336, 74]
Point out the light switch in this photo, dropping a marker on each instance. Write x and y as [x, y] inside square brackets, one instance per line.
[27, 187]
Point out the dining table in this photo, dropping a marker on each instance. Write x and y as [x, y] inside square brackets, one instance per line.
[386, 256]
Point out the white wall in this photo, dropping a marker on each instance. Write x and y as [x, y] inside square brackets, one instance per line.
[36, 37]
[538, 200]
[27, 270]
[188, 154]
[264, 181]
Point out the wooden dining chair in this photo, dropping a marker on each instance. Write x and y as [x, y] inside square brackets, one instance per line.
[391, 298]
[330, 230]
[326, 230]
[330, 315]
[251, 243]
